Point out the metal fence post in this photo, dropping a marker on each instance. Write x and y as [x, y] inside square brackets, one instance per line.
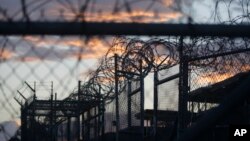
[142, 99]
[68, 129]
[103, 119]
[155, 117]
[78, 111]
[23, 124]
[183, 90]
[51, 113]
[117, 99]
[129, 104]
[83, 126]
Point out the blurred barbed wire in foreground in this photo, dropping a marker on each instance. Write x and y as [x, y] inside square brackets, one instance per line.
[66, 59]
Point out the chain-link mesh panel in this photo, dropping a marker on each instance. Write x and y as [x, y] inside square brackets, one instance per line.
[93, 124]
[168, 92]
[43, 59]
[62, 59]
[123, 110]
[219, 65]
[109, 117]
[209, 77]
[135, 109]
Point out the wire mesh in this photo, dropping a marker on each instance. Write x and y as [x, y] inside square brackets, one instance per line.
[109, 117]
[208, 71]
[64, 59]
[135, 109]
[218, 69]
[123, 110]
[43, 59]
[168, 92]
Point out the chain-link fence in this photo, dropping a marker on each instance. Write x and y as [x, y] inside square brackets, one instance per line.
[64, 59]
[43, 70]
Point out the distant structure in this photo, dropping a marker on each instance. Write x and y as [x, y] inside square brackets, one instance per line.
[79, 119]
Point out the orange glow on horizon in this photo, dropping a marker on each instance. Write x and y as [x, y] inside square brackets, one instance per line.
[134, 16]
[211, 79]
[18, 122]
[106, 14]
[93, 48]
[168, 2]
[5, 54]
[217, 77]
[29, 59]
[137, 15]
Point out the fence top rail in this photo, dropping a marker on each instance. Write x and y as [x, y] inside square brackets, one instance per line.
[92, 28]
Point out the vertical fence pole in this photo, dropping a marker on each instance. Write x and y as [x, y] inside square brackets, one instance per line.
[78, 111]
[142, 99]
[155, 117]
[183, 90]
[88, 124]
[179, 125]
[129, 103]
[99, 111]
[68, 129]
[95, 123]
[103, 118]
[62, 133]
[117, 99]
[56, 127]
[51, 113]
[98, 122]
[33, 122]
[83, 127]
[23, 124]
